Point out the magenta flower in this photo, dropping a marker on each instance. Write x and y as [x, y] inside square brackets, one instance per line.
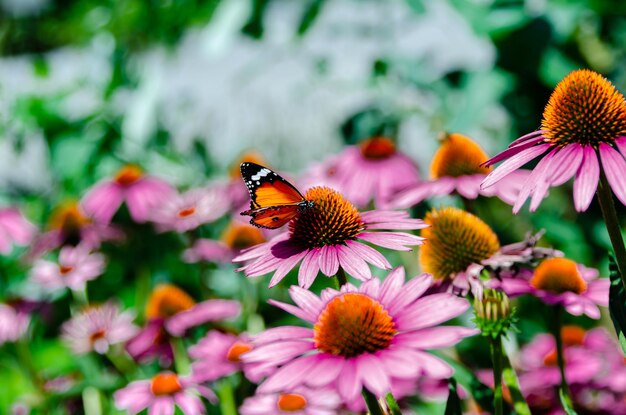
[361, 337]
[219, 354]
[585, 119]
[14, 229]
[97, 328]
[456, 169]
[562, 281]
[75, 266]
[372, 170]
[162, 395]
[140, 192]
[171, 312]
[13, 324]
[327, 237]
[295, 401]
[187, 211]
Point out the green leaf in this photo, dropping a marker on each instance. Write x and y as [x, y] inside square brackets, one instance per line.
[617, 303]
[453, 405]
[567, 404]
[310, 14]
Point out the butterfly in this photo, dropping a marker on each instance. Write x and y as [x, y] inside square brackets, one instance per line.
[273, 200]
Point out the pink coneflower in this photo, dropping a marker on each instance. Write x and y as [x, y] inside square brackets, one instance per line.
[69, 225]
[75, 266]
[585, 120]
[14, 229]
[171, 312]
[97, 328]
[235, 238]
[295, 401]
[162, 394]
[140, 192]
[374, 169]
[327, 237]
[219, 354]
[13, 324]
[460, 246]
[191, 209]
[456, 168]
[361, 337]
[563, 281]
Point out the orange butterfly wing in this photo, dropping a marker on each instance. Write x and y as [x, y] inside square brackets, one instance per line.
[273, 200]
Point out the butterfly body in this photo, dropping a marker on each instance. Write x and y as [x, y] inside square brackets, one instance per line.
[273, 200]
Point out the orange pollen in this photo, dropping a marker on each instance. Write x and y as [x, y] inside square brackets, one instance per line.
[331, 220]
[455, 240]
[97, 335]
[550, 359]
[558, 275]
[68, 217]
[167, 300]
[234, 171]
[241, 235]
[65, 269]
[378, 148]
[183, 213]
[165, 383]
[236, 350]
[353, 324]
[128, 175]
[291, 402]
[584, 108]
[457, 156]
[572, 335]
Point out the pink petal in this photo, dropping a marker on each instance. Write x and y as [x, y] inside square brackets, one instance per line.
[410, 292]
[373, 374]
[369, 254]
[586, 181]
[513, 163]
[309, 268]
[294, 310]
[391, 285]
[614, 167]
[540, 171]
[329, 263]
[306, 300]
[325, 371]
[436, 337]
[516, 147]
[433, 366]
[103, 200]
[290, 375]
[348, 384]
[430, 311]
[391, 240]
[283, 333]
[353, 264]
[286, 265]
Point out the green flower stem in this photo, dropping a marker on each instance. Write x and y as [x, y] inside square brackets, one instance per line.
[556, 332]
[122, 362]
[143, 286]
[468, 205]
[227, 398]
[607, 205]
[371, 402]
[512, 383]
[181, 360]
[25, 358]
[340, 278]
[496, 357]
[393, 404]
[92, 401]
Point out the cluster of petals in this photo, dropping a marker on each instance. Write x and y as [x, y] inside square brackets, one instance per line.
[294, 401]
[280, 255]
[74, 267]
[14, 229]
[298, 360]
[13, 324]
[97, 328]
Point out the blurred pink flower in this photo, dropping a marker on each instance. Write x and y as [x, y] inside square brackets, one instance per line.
[294, 401]
[327, 237]
[97, 328]
[561, 281]
[187, 211]
[374, 169]
[456, 168]
[13, 324]
[14, 229]
[219, 354]
[140, 192]
[162, 394]
[361, 337]
[75, 266]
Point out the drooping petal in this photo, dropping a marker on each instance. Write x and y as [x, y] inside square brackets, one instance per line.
[353, 264]
[369, 254]
[513, 163]
[614, 166]
[586, 181]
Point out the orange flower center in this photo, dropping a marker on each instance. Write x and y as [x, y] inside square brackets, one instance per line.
[377, 148]
[584, 108]
[128, 175]
[291, 402]
[457, 156]
[571, 336]
[165, 383]
[455, 240]
[167, 300]
[331, 220]
[65, 269]
[558, 275]
[353, 324]
[97, 335]
[241, 235]
[68, 217]
[236, 350]
[185, 212]
[234, 171]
